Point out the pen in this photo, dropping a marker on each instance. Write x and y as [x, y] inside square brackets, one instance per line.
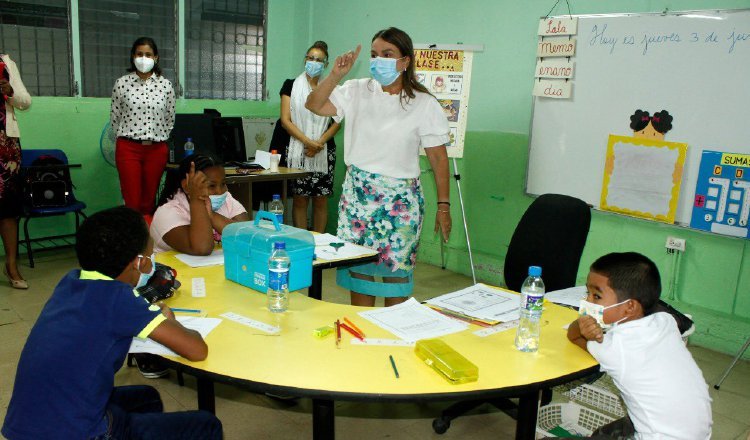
[354, 326]
[337, 324]
[352, 331]
[176, 309]
[393, 364]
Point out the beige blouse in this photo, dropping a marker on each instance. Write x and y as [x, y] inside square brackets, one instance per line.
[20, 100]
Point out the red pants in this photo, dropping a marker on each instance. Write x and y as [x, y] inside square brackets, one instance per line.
[140, 168]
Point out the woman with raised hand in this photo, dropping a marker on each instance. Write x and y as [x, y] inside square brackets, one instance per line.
[389, 117]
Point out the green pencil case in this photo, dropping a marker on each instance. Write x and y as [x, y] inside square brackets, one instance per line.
[449, 363]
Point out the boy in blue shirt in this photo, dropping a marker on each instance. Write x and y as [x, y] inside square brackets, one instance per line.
[642, 350]
[64, 386]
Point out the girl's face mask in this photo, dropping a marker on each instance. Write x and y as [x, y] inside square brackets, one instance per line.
[596, 311]
[218, 201]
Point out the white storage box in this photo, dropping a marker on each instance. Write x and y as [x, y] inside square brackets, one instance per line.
[571, 417]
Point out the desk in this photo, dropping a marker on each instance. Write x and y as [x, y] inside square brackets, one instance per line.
[296, 363]
[246, 182]
[315, 290]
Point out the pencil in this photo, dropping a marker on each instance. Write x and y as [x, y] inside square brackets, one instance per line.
[337, 324]
[352, 331]
[393, 364]
[177, 309]
[354, 326]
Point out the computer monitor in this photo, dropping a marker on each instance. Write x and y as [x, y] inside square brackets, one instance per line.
[197, 126]
[229, 139]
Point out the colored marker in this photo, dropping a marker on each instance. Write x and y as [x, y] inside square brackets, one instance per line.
[393, 364]
[337, 324]
[179, 310]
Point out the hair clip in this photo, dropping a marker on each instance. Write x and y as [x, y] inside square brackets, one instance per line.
[656, 119]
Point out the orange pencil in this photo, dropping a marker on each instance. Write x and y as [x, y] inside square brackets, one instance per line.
[354, 326]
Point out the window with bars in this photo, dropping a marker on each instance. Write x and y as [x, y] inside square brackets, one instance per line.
[108, 30]
[225, 48]
[35, 35]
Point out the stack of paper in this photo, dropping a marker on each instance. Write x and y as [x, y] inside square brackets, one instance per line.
[204, 326]
[481, 303]
[216, 258]
[411, 321]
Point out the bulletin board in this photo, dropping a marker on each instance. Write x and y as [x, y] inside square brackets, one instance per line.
[446, 73]
[694, 64]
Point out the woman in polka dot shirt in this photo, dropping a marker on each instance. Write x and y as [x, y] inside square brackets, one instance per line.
[142, 116]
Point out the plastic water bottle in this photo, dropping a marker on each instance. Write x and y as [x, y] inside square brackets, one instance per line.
[189, 147]
[532, 297]
[277, 207]
[277, 295]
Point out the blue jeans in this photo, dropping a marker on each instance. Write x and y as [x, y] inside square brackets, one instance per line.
[135, 412]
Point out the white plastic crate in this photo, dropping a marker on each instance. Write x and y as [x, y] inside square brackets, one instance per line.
[599, 398]
[574, 418]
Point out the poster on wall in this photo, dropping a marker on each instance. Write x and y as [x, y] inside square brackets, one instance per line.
[642, 177]
[447, 75]
[722, 194]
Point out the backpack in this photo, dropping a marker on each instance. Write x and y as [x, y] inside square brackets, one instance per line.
[47, 187]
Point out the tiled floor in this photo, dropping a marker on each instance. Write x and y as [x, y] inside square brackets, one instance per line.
[246, 415]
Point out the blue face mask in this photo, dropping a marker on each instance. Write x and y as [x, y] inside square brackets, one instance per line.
[146, 276]
[313, 68]
[218, 201]
[384, 70]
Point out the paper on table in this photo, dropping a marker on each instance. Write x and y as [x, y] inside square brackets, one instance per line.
[480, 301]
[204, 326]
[215, 259]
[324, 250]
[263, 158]
[571, 296]
[411, 321]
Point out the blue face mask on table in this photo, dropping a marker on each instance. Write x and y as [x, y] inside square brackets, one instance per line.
[384, 70]
[143, 280]
[313, 68]
[218, 201]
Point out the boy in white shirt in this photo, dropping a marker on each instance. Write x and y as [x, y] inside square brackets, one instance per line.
[663, 388]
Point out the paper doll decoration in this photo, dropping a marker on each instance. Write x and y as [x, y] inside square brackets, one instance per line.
[650, 127]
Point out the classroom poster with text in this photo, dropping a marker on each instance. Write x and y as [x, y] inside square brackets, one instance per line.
[447, 75]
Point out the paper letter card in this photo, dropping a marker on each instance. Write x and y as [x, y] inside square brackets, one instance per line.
[559, 68]
[556, 47]
[549, 27]
[553, 88]
[722, 194]
[642, 177]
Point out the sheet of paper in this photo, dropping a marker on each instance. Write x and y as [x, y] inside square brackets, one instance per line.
[412, 321]
[496, 328]
[571, 296]
[215, 259]
[244, 320]
[324, 250]
[263, 158]
[481, 301]
[326, 239]
[204, 326]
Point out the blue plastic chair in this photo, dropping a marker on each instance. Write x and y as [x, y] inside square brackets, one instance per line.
[72, 205]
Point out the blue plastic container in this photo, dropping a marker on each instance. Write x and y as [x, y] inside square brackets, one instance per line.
[248, 246]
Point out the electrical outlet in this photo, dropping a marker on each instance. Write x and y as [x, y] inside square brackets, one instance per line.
[674, 243]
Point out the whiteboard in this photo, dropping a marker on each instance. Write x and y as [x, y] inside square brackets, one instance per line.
[694, 64]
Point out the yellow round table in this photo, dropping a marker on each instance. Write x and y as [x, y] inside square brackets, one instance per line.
[295, 362]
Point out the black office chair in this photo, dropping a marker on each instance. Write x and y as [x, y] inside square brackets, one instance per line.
[48, 192]
[551, 234]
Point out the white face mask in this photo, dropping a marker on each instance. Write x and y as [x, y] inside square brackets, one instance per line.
[144, 64]
[596, 311]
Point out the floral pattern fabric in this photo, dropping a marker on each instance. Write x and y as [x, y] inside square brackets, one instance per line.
[317, 184]
[382, 213]
[10, 178]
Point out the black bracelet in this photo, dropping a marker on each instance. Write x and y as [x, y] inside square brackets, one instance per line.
[444, 203]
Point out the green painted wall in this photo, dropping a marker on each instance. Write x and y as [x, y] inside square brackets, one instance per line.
[713, 282]
[714, 274]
